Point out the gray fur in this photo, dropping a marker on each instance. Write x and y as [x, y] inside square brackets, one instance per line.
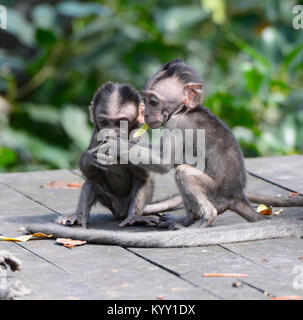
[187, 237]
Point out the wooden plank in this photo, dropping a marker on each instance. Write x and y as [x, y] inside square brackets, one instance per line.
[279, 257]
[217, 257]
[18, 211]
[117, 273]
[46, 281]
[285, 171]
[191, 263]
[114, 272]
[29, 184]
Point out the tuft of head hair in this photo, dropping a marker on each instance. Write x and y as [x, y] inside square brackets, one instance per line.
[175, 68]
[126, 93]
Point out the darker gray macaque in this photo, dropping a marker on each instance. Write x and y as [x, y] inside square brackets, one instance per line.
[173, 100]
[123, 188]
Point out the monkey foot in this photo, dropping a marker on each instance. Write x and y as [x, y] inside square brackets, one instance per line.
[139, 221]
[72, 219]
[171, 222]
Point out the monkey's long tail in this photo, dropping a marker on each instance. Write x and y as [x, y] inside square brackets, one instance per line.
[188, 237]
[163, 205]
[296, 201]
[176, 200]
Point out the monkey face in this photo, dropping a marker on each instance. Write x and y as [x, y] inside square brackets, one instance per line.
[116, 110]
[154, 115]
[162, 100]
[173, 88]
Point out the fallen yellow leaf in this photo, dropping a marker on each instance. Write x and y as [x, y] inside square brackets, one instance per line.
[26, 238]
[262, 209]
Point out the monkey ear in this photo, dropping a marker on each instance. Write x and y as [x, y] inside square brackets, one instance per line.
[193, 94]
[92, 113]
[140, 117]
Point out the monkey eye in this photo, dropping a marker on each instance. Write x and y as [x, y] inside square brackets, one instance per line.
[102, 123]
[153, 102]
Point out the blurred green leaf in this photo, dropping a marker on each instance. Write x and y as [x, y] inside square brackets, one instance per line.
[44, 16]
[54, 55]
[7, 157]
[75, 123]
[46, 38]
[253, 79]
[81, 9]
[20, 27]
[293, 54]
[30, 145]
[249, 50]
[42, 113]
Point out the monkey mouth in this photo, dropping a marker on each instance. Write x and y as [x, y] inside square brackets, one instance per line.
[154, 124]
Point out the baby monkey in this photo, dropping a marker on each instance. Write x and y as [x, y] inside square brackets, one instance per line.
[122, 188]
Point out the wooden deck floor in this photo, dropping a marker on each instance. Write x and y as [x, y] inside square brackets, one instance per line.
[111, 272]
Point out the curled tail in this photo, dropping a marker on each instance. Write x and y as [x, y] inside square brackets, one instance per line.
[181, 238]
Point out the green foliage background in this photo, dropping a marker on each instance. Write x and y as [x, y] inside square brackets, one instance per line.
[55, 54]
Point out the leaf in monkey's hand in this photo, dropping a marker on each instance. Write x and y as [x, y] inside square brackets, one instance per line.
[265, 211]
[62, 185]
[70, 243]
[141, 131]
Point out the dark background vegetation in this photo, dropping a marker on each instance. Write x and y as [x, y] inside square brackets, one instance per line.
[55, 54]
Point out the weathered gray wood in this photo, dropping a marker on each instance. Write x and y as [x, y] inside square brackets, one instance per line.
[193, 262]
[107, 272]
[278, 256]
[60, 200]
[286, 171]
[17, 211]
[46, 281]
[116, 272]
[113, 271]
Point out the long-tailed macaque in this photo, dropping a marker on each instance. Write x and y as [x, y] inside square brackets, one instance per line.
[173, 100]
[123, 188]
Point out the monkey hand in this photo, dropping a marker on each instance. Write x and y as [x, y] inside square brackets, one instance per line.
[112, 149]
[99, 157]
[73, 219]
